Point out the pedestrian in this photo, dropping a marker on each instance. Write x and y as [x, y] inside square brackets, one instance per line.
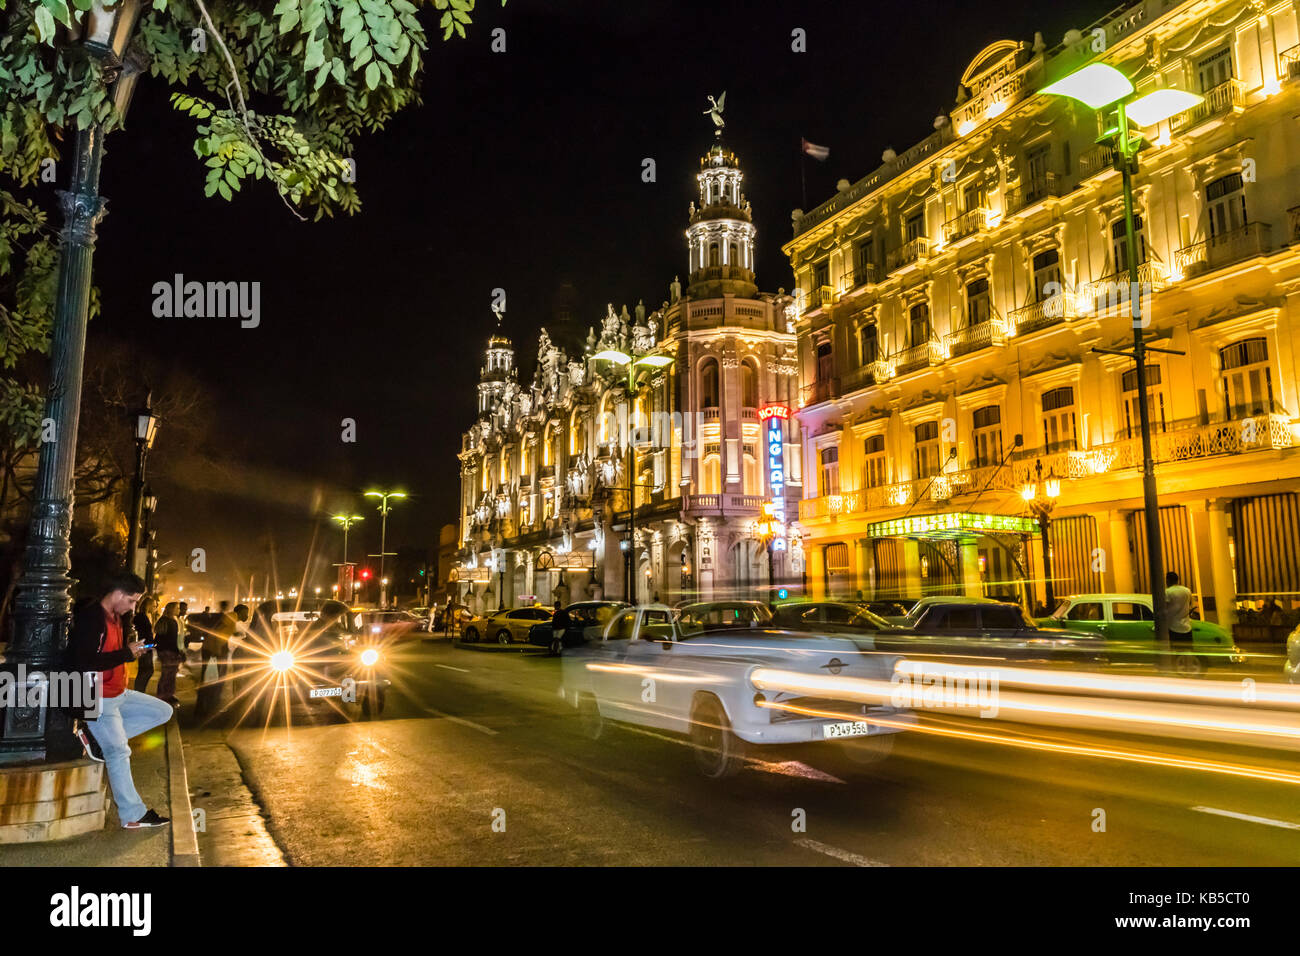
[1178, 613]
[143, 621]
[167, 634]
[449, 619]
[96, 646]
[216, 648]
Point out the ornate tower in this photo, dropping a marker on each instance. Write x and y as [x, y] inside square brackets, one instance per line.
[496, 374]
[721, 233]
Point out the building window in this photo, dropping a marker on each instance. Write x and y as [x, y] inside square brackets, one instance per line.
[914, 226]
[711, 471]
[1047, 270]
[1215, 69]
[829, 477]
[863, 257]
[714, 255]
[986, 436]
[918, 320]
[876, 473]
[821, 274]
[709, 384]
[973, 196]
[753, 476]
[1119, 243]
[1247, 378]
[925, 457]
[1036, 163]
[1226, 199]
[1060, 430]
[733, 253]
[748, 385]
[1133, 408]
[868, 344]
[978, 304]
[825, 362]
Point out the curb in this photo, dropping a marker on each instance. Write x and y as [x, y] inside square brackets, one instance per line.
[185, 842]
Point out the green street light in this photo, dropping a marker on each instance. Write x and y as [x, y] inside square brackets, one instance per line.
[1099, 86]
[383, 497]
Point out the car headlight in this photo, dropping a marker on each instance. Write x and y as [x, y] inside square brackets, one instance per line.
[282, 661]
[369, 657]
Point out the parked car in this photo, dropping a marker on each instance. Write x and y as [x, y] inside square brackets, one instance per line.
[711, 614]
[506, 627]
[917, 609]
[586, 620]
[888, 607]
[388, 626]
[1128, 626]
[307, 652]
[649, 671]
[978, 627]
[828, 617]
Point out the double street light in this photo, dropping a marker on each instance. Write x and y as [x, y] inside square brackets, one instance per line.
[1099, 86]
[649, 359]
[383, 497]
[347, 521]
[1040, 495]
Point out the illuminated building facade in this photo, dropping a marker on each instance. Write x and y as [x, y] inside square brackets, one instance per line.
[547, 467]
[951, 305]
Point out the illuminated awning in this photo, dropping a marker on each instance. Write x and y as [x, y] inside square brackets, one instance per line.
[950, 525]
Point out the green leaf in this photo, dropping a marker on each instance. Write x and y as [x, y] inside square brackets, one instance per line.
[44, 24]
[372, 76]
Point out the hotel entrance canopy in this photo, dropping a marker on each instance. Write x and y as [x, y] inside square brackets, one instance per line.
[950, 525]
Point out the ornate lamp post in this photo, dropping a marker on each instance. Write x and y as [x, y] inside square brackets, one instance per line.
[43, 602]
[383, 497]
[1042, 505]
[146, 430]
[768, 530]
[345, 569]
[1099, 86]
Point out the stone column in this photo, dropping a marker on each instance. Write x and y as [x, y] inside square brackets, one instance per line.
[969, 560]
[816, 571]
[911, 568]
[1119, 559]
[864, 561]
[1225, 592]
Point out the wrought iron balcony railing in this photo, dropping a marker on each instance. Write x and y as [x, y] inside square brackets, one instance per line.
[981, 335]
[1225, 98]
[1251, 240]
[917, 357]
[1043, 314]
[1097, 159]
[916, 251]
[1048, 186]
[969, 223]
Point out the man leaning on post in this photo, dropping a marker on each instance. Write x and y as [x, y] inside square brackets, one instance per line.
[97, 647]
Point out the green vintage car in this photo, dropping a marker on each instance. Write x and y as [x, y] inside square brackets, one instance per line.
[1126, 621]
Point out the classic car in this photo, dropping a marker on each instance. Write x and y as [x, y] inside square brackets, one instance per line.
[977, 627]
[708, 614]
[1128, 626]
[586, 619]
[508, 626]
[647, 670]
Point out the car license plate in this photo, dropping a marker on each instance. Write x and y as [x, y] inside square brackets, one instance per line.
[855, 728]
[325, 692]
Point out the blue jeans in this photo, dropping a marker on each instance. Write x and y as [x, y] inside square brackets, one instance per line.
[125, 716]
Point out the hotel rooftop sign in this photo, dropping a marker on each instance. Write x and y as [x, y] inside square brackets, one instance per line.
[950, 525]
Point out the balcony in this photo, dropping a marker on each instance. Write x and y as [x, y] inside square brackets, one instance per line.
[917, 357]
[1225, 98]
[1251, 240]
[992, 331]
[710, 414]
[1114, 290]
[1049, 186]
[815, 299]
[821, 391]
[969, 223]
[1095, 160]
[911, 253]
[749, 414]
[861, 377]
[1043, 314]
[863, 275]
[725, 504]
[1290, 62]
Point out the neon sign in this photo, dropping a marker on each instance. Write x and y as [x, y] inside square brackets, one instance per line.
[774, 415]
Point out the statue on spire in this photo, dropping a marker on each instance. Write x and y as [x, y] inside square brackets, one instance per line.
[714, 112]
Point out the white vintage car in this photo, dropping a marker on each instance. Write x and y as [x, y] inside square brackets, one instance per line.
[724, 688]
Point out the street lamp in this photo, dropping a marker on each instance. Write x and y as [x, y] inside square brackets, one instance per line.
[1098, 86]
[146, 430]
[767, 531]
[1042, 506]
[43, 599]
[383, 497]
[347, 521]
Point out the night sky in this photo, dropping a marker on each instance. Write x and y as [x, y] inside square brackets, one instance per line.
[522, 171]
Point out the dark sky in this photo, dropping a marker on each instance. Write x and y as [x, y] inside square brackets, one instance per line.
[521, 170]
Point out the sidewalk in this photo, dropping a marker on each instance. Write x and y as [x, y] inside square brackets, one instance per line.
[158, 766]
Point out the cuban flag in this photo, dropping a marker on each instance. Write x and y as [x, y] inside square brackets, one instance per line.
[818, 153]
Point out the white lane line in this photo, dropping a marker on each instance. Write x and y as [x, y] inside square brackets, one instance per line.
[448, 667]
[837, 853]
[461, 720]
[1284, 824]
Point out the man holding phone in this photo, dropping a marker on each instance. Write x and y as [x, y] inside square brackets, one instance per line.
[96, 647]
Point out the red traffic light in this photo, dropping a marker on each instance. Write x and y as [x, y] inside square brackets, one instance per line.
[365, 574]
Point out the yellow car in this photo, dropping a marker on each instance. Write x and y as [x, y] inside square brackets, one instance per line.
[507, 627]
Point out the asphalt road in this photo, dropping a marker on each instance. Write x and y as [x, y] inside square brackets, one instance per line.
[478, 761]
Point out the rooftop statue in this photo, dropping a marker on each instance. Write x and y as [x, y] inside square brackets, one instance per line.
[714, 112]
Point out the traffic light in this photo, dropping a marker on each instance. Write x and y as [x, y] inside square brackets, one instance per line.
[365, 574]
[421, 572]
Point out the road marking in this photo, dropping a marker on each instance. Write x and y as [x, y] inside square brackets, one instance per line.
[787, 768]
[448, 667]
[1284, 824]
[836, 852]
[461, 720]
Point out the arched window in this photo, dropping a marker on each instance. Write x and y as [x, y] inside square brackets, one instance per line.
[734, 255]
[753, 476]
[709, 384]
[711, 471]
[748, 385]
[714, 253]
[925, 457]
